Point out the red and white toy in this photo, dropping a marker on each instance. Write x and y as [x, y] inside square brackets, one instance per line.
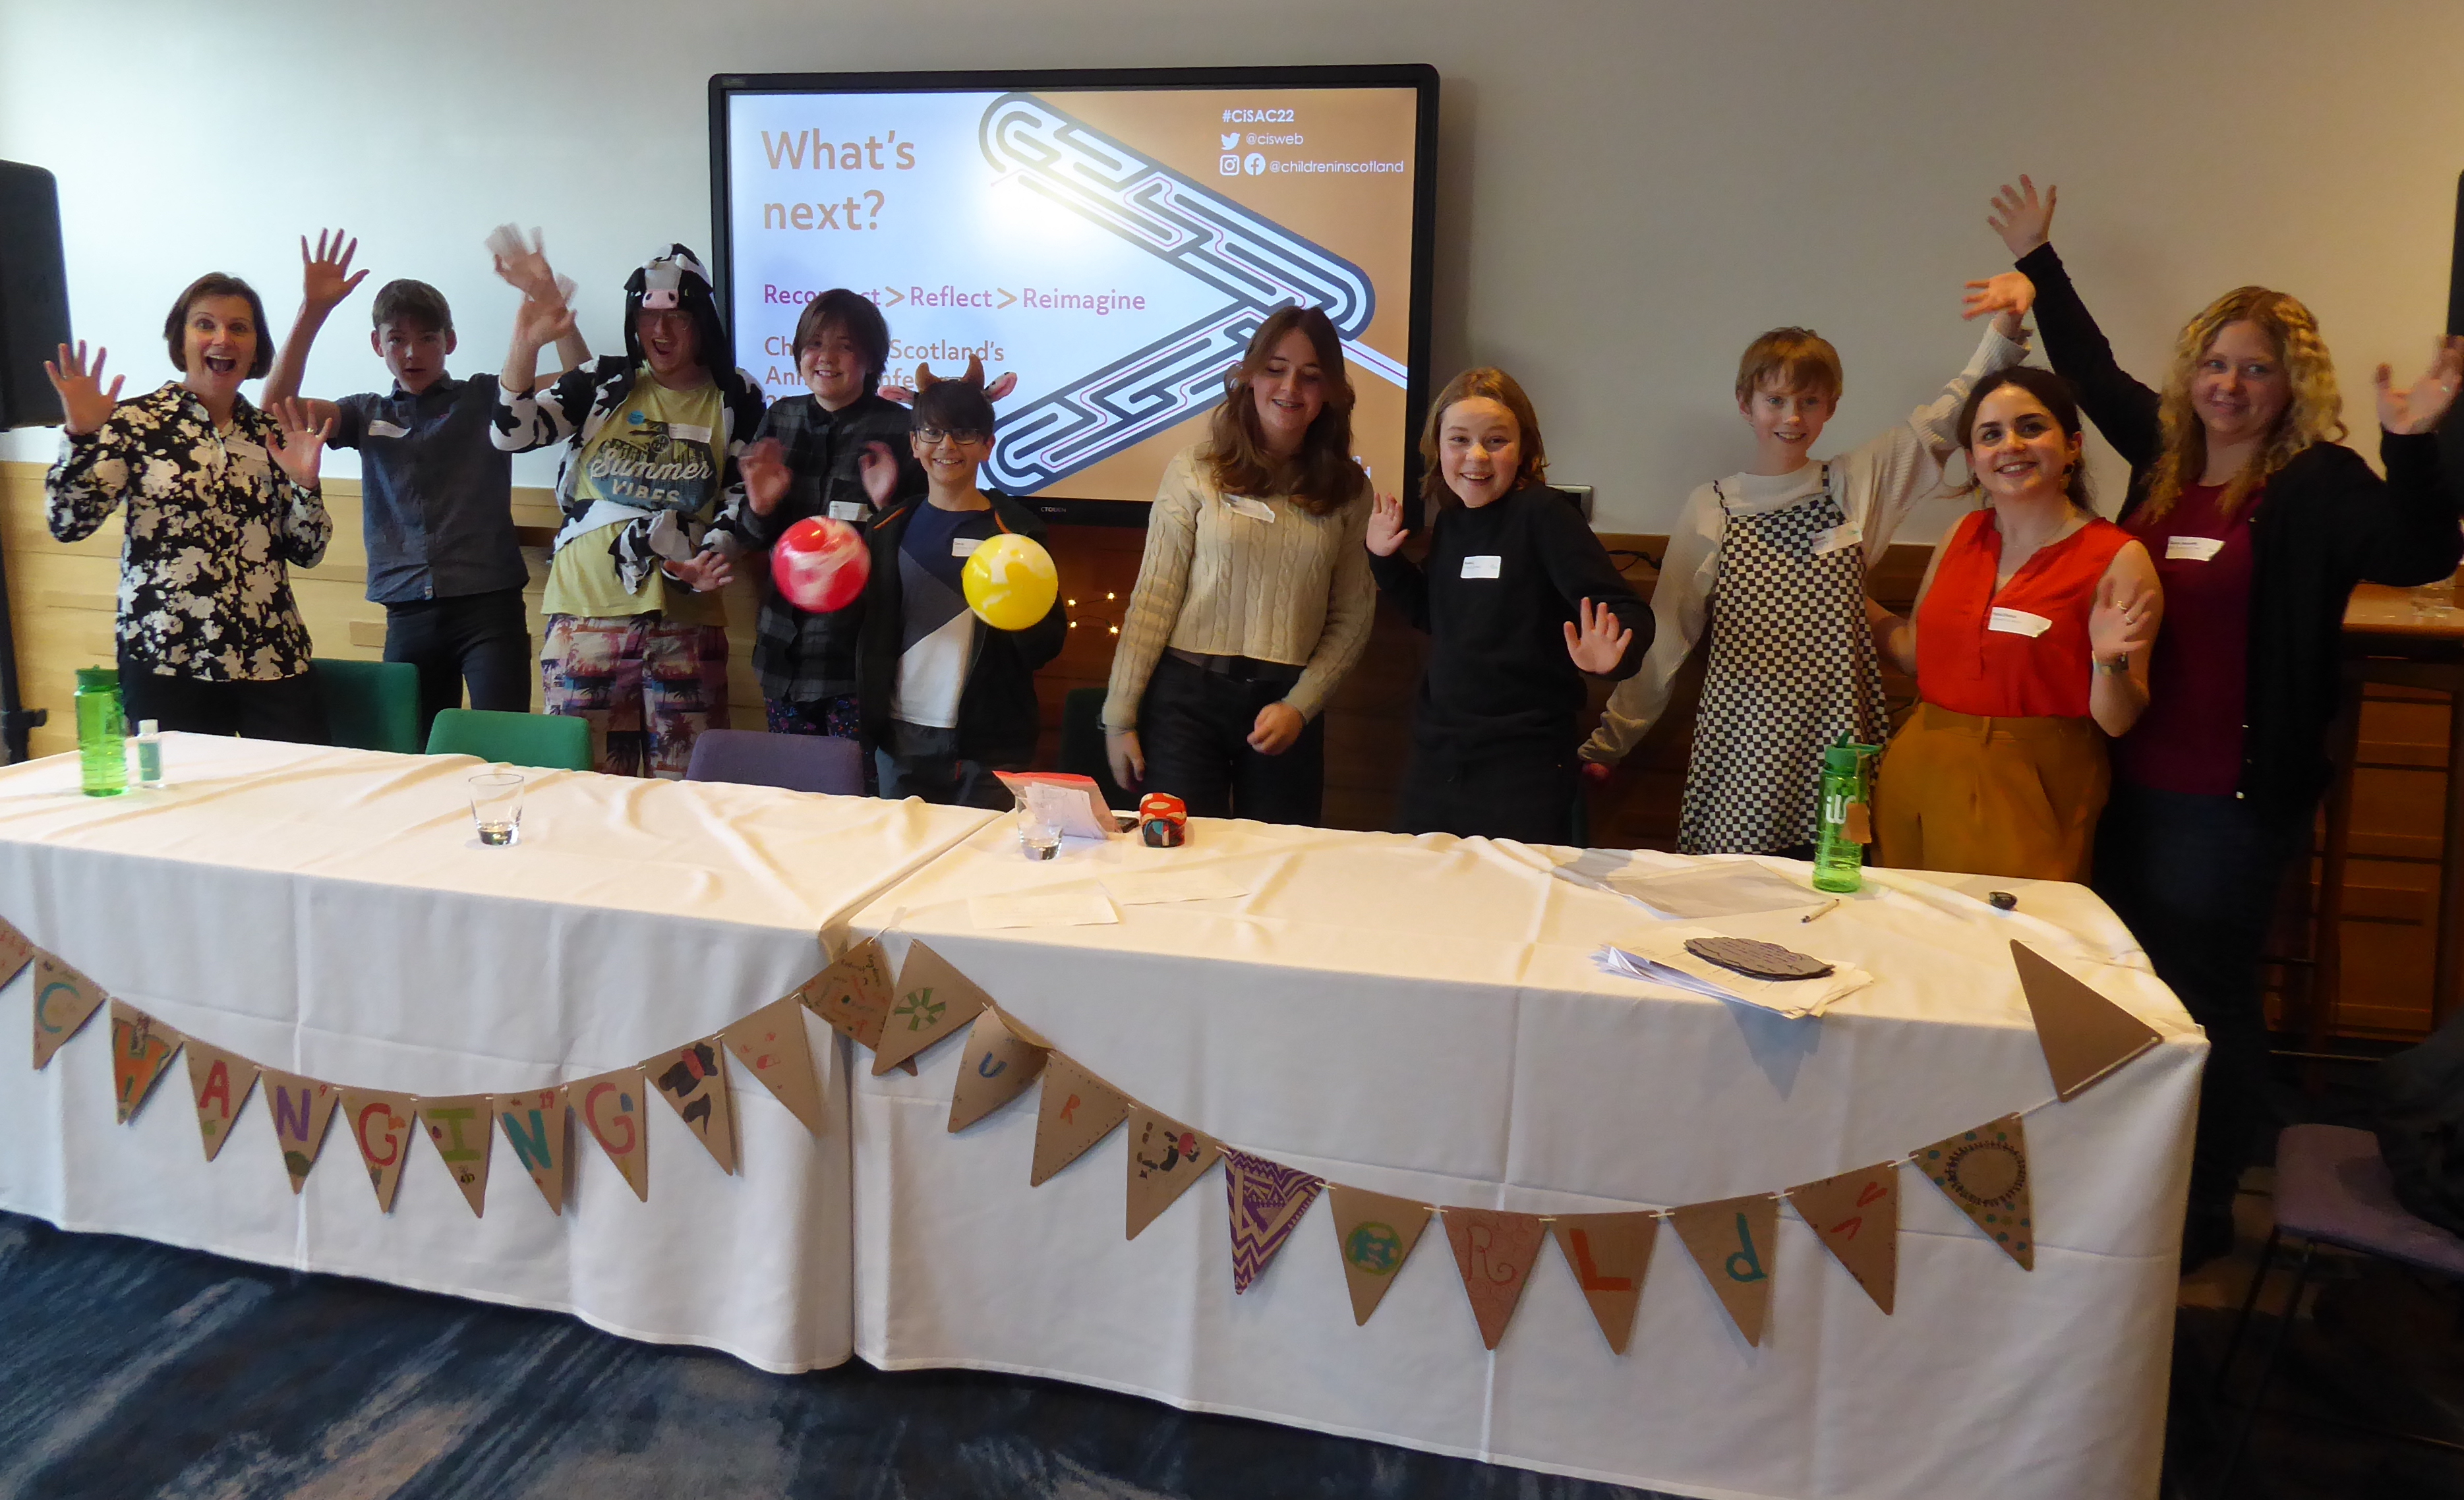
[820, 564]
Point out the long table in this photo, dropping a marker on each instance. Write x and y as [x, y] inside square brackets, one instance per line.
[331, 912]
[1421, 1017]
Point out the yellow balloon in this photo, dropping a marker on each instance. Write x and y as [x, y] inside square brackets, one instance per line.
[1011, 581]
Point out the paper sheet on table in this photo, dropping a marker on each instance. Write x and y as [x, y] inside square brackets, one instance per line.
[1074, 805]
[1659, 957]
[1695, 891]
[1080, 905]
[1150, 887]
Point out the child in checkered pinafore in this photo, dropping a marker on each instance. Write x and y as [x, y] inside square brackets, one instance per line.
[1774, 560]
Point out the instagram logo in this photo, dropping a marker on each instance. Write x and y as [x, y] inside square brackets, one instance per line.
[1228, 165]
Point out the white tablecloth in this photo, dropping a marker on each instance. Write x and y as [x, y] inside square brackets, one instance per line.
[1421, 1017]
[331, 912]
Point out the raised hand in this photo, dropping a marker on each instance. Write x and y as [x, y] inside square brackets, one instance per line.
[1386, 531]
[325, 276]
[2008, 296]
[1594, 648]
[2122, 623]
[301, 443]
[84, 403]
[2023, 220]
[878, 468]
[704, 573]
[764, 467]
[538, 324]
[523, 265]
[2420, 408]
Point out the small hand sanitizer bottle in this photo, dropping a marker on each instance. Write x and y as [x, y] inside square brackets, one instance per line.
[149, 754]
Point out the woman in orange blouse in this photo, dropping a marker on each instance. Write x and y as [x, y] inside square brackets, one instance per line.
[2029, 642]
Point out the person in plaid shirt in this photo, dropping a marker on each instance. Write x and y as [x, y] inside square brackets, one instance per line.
[809, 460]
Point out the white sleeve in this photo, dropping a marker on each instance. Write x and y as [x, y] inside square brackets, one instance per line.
[1680, 604]
[1881, 481]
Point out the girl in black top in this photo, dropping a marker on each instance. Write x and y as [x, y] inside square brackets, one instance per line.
[2237, 475]
[1520, 601]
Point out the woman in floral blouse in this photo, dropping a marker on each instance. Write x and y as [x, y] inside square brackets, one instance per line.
[221, 497]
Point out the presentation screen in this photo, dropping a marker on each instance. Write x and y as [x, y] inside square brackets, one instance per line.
[1111, 238]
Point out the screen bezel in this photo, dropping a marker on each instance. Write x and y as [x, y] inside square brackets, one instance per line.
[1420, 78]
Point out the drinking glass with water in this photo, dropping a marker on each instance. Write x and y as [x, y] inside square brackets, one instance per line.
[496, 807]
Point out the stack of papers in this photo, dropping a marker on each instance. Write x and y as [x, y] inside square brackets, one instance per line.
[1662, 959]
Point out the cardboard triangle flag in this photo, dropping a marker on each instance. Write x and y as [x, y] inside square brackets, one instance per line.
[535, 1127]
[853, 995]
[380, 1125]
[64, 1001]
[462, 1131]
[610, 1107]
[1077, 1110]
[1494, 1251]
[221, 1082]
[1984, 1172]
[1731, 1241]
[1857, 1216]
[998, 1066]
[2085, 1036]
[1374, 1234]
[771, 1044]
[16, 951]
[141, 1054]
[933, 1000]
[1165, 1157]
[1268, 1200]
[303, 1108]
[694, 1085]
[1609, 1254]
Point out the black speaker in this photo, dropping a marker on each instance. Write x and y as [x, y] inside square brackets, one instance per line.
[2456, 266]
[33, 295]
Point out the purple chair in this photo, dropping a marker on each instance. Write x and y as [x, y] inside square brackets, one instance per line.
[798, 763]
[2332, 1188]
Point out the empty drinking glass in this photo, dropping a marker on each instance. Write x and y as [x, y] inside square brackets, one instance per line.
[496, 807]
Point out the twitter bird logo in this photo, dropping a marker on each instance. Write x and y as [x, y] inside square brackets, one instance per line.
[1228, 142]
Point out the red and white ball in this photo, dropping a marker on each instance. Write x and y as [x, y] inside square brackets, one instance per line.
[820, 564]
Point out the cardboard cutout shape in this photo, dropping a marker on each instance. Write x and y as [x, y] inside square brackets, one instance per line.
[1731, 1241]
[1165, 1157]
[381, 1126]
[1076, 1110]
[303, 1108]
[853, 995]
[1373, 1233]
[1609, 1254]
[998, 1066]
[1984, 1172]
[221, 1082]
[1268, 1200]
[64, 1001]
[535, 1127]
[2085, 1036]
[462, 1129]
[933, 1000]
[1495, 1251]
[1857, 1216]
[141, 1054]
[771, 1044]
[16, 951]
[694, 1085]
[610, 1107]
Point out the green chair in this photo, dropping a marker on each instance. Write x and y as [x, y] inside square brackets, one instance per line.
[1082, 745]
[558, 741]
[369, 705]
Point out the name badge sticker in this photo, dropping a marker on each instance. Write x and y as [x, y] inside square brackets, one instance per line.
[1847, 533]
[846, 510]
[2197, 549]
[688, 432]
[379, 426]
[964, 547]
[2019, 622]
[1485, 566]
[1255, 510]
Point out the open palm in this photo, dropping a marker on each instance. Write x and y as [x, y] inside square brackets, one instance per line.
[1601, 642]
[83, 401]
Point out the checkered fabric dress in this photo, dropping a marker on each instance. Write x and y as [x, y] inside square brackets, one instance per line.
[1792, 668]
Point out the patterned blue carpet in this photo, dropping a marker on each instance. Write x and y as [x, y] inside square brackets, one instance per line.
[131, 1370]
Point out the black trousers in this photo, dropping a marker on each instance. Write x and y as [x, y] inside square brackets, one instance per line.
[287, 707]
[1193, 728]
[1526, 793]
[483, 639]
[2194, 877]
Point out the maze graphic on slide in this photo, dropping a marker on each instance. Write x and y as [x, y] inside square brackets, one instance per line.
[1257, 264]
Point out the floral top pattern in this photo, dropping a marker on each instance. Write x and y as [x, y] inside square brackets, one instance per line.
[212, 520]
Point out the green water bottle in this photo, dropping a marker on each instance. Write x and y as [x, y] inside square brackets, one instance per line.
[102, 733]
[1847, 817]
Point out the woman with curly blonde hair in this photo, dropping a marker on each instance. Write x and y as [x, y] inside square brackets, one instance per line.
[2260, 521]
